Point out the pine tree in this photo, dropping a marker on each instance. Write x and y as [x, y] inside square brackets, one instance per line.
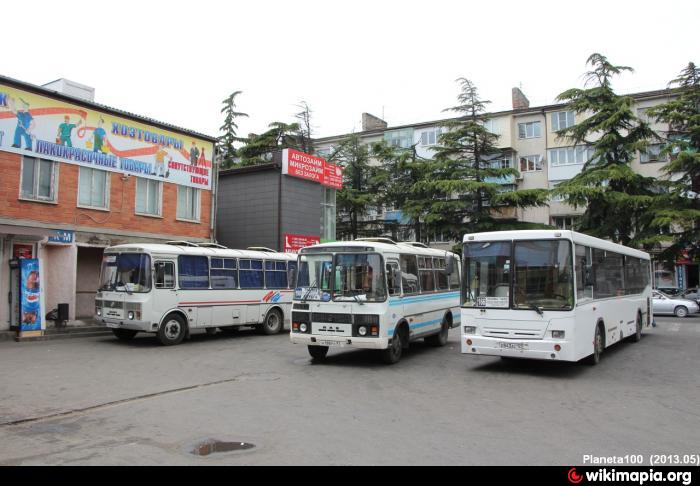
[304, 133]
[360, 192]
[225, 148]
[615, 197]
[676, 214]
[467, 187]
[258, 149]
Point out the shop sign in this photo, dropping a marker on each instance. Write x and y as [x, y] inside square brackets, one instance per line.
[39, 126]
[30, 291]
[312, 168]
[62, 237]
[294, 243]
[20, 250]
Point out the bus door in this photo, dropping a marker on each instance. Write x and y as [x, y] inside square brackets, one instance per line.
[393, 275]
[165, 294]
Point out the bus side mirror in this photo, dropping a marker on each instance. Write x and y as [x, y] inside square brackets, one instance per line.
[450, 265]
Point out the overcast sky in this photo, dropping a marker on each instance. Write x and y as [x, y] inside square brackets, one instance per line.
[177, 60]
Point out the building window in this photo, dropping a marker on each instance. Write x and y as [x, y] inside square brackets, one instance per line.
[39, 179]
[570, 155]
[148, 197]
[493, 126]
[188, 203]
[504, 162]
[530, 130]
[562, 120]
[430, 137]
[530, 163]
[652, 154]
[93, 188]
[566, 222]
[328, 213]
[399, 138]
[555, 198]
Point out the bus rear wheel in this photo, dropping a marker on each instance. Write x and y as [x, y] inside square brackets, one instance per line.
[124, 334]
[173, 330]
[440, 339]
[273, 323]
[637, 336]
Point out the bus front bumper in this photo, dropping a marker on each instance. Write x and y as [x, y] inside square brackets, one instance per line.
[339, 341]
[559, 350]
[141, 326]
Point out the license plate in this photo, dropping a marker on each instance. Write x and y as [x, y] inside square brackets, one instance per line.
[513, 346]
[331, 344]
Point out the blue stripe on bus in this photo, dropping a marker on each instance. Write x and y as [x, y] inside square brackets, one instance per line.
[420, 325]
[421, 298]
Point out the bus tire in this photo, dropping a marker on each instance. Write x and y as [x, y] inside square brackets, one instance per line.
[318, 353]
[598, 345]
[681, 311]
[637, 336]
[392, 354]
[124, 334]
[173, 330]
[440, 339]
[274, 323]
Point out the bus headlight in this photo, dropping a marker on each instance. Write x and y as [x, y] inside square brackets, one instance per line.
[558, 334]
[362, 331]
[131, 315]
[98, 311]
[303, 327]
[469, 329]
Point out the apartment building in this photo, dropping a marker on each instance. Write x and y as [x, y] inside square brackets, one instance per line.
[528, 139]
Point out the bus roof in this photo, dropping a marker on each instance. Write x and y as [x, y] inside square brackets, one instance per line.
[171, 249]
[383, 246]
[578, 238]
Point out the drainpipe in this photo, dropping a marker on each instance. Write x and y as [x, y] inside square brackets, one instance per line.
[214, 194]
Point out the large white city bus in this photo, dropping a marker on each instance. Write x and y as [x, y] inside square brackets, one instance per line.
[170, 289]
[374, 294]
[554, 295]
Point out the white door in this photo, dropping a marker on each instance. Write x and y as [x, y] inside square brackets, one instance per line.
[165, 294]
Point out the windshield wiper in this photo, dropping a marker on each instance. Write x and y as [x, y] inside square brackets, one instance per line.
[308, 291]
[536, 308]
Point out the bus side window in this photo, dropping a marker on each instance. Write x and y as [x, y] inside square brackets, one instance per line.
[394, 278]
[165, 275]
[409, 274]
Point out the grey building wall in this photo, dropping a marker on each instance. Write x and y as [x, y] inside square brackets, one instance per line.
[248, 212]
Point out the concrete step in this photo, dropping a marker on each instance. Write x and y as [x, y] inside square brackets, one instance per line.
[67, 333]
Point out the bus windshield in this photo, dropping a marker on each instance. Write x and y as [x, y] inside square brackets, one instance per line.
[126, 272]
[359, 277]
[314, 278]
[543, 275]
[539, 278]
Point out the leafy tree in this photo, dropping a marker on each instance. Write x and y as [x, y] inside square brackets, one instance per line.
[676, 215]
[615, 197]
[258, 149]
[225, 147]
[465, 187]
[359, 194]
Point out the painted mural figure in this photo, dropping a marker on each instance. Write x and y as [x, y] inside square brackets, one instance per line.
[65, 131]
[194, 154]
[202, 158]
[98, 136]
[160, 163]
[25, 124]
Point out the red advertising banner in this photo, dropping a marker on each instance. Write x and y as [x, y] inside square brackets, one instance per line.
[294, 243]
[312, 168]
[333, 176]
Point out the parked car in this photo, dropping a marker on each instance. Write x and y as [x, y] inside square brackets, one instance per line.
[692, 294]
[670, 291]
[666, 304]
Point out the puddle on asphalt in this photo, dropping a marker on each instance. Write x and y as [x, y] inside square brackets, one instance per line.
[212, 446]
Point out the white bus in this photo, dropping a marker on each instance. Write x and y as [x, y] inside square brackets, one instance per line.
[170, 289]
[554, 295]
[374, 294]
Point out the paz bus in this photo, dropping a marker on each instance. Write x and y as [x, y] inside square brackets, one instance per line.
[552, 295]
[376, 294]
[170, 289]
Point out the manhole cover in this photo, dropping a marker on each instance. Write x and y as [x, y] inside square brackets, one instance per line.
[211, 446]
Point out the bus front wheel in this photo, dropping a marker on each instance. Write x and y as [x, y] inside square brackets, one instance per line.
[392, 354]
[598, 346]
[318, 353]
[172, 331]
